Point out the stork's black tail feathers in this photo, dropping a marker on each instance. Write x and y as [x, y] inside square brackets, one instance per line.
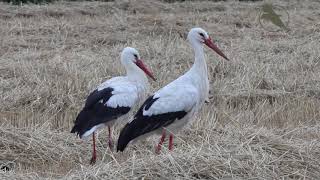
[80, 124]
[143, 124]
[100, 114]
[134, 128]
[128, 133]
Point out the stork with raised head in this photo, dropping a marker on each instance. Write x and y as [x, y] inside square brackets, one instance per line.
[175, 105]
[113, 98]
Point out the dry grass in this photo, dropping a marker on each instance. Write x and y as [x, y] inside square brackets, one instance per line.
[262, 121]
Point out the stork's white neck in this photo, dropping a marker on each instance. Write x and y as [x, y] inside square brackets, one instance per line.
[198, 72]
[199, 66]
[134, 73]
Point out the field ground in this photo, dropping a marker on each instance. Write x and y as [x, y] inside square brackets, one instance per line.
[262, 121]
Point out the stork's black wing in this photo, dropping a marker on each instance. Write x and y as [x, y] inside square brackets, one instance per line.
[97, 112]
[142, 124]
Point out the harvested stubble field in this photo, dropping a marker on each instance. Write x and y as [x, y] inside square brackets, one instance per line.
[262, 121]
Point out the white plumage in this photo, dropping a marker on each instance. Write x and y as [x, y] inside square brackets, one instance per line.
[125, 93]
[176, 96]
[114, 98]
[174, 105]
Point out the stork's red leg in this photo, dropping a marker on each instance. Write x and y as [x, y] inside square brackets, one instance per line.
[171, 142]
[110, 141]
[158, 148]
[94, 153]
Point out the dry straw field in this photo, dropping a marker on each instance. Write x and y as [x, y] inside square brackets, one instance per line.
[262, 121]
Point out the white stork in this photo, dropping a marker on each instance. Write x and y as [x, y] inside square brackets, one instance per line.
[173, 106]
[113, 98]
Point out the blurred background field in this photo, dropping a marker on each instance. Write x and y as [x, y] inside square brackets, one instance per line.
[262, 121]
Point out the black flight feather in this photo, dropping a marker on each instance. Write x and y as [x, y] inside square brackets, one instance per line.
[96, 111]
[141, 124]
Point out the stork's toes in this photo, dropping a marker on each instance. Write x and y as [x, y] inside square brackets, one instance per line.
[93, 160]
[157, 152]
[157, 149]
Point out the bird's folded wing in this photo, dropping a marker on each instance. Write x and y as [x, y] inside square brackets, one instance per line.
[160, 110]
[104, 104]
[180, 99]
[116, 92]
[123, 96]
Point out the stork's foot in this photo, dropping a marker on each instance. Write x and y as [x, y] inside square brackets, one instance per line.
[111, 144]
[157, 149]
[93, 160]
[110, 141]
[94, 152]
[171, 142]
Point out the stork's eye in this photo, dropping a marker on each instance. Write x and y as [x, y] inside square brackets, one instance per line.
[201, 34]
[135, 55]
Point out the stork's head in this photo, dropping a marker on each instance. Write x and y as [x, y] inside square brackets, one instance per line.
[130, 56]
[198, 35]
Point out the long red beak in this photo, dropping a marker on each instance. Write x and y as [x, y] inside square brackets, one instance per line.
[211, 45]
[144, 68]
